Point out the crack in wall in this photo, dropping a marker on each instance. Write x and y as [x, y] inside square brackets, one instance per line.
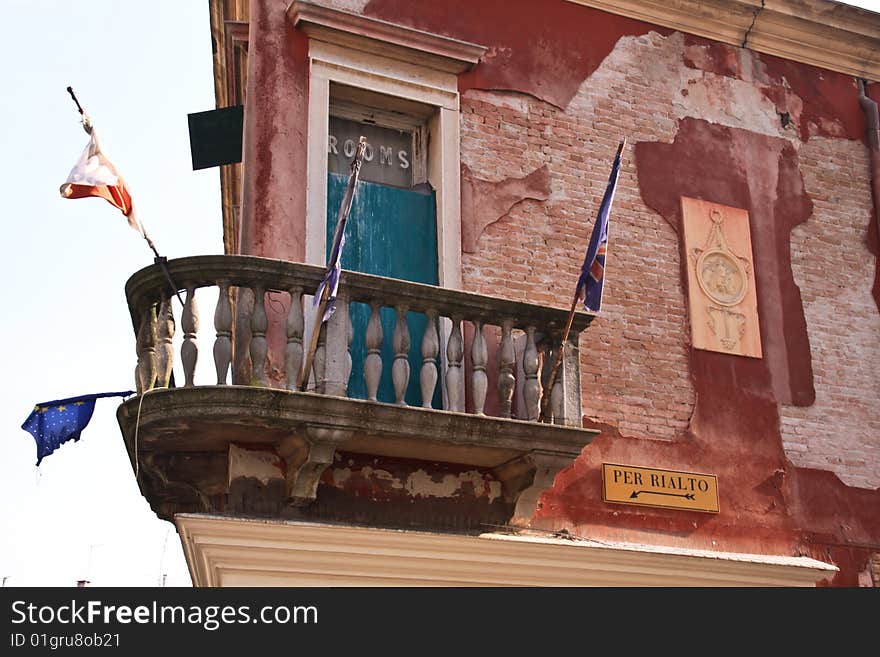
[752, 26]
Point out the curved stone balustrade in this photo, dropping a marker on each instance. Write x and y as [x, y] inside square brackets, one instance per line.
[195, 447]
[532, 327]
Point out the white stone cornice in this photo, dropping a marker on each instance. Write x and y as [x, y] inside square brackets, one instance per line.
[821, 33]
[224, 551]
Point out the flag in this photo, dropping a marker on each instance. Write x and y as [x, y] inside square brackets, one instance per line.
[330, 282]
[94, 175]
[593, 270]
[334, 269]
[54, 423]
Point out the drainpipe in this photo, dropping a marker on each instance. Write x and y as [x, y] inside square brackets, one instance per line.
[869, 107]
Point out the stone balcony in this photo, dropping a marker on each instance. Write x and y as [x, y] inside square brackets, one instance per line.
[461, 405]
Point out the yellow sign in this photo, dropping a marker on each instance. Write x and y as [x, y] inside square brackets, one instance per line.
[626, 484]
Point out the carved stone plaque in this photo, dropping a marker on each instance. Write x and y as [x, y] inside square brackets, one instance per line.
[721, 278]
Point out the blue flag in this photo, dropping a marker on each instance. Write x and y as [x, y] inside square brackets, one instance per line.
[593, 270]
[55, 422]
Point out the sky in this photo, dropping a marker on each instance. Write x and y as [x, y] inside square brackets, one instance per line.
[138, 68]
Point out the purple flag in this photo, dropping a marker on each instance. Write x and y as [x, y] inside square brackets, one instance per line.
[593, 270]
[330, 282]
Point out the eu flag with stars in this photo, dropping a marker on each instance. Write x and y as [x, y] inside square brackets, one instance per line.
[54, 423]
[593, 270]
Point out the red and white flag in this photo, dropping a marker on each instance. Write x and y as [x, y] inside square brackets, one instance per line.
[95, 175]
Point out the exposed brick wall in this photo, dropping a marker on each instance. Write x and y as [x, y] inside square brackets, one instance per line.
[834, 269]
[634, 357]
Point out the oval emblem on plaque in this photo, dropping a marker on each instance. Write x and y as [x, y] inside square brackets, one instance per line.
[722, 277]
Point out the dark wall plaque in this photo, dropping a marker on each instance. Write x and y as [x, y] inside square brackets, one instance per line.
[215, 136]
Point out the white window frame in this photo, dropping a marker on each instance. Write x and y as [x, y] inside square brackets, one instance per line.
[390, 77]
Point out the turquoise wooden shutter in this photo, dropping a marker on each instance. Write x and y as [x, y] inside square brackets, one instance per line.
[390, 232]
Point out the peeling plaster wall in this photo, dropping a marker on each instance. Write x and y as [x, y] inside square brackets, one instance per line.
[648, 392]
[834, 269]
[388, 491]
[417, 483]
[534, 48]
[750, 423]
[794, 437]
[532, 252]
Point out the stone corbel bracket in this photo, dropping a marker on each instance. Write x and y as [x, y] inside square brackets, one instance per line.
[289, 474]
[525, 478]
[307, 460]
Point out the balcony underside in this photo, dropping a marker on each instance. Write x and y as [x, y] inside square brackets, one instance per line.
[234, 449]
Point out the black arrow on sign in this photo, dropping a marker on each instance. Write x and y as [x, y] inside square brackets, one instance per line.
[636, 493]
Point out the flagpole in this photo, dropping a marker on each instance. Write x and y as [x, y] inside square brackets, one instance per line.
[545, 398]
[159, 260]
[78, 106]
[326, 291]
[303, 381]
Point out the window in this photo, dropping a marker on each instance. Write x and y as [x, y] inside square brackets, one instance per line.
[364, 70]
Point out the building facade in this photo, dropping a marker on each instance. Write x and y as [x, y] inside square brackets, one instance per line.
[716, 422]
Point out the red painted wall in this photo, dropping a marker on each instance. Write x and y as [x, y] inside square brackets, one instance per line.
[729, 419]
[559, 85]
[534, 48]
[274, 167]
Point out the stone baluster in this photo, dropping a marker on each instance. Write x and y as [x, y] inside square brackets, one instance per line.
[400, 367]
[569, 410]
[349, 338]
[548, 356]
[454, 353]
[320, 359]
[506, 366]
[223, 327]
[293, 352]
[337, 359]
[430, 349]
[557, 400]
[164, 348]
[557, 392]
[259, 349]
[532, 387]
[479, 359]
[373, 362]
[189, 350]
[146, 350]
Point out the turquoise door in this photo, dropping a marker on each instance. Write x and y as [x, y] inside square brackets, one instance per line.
[390, 232]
